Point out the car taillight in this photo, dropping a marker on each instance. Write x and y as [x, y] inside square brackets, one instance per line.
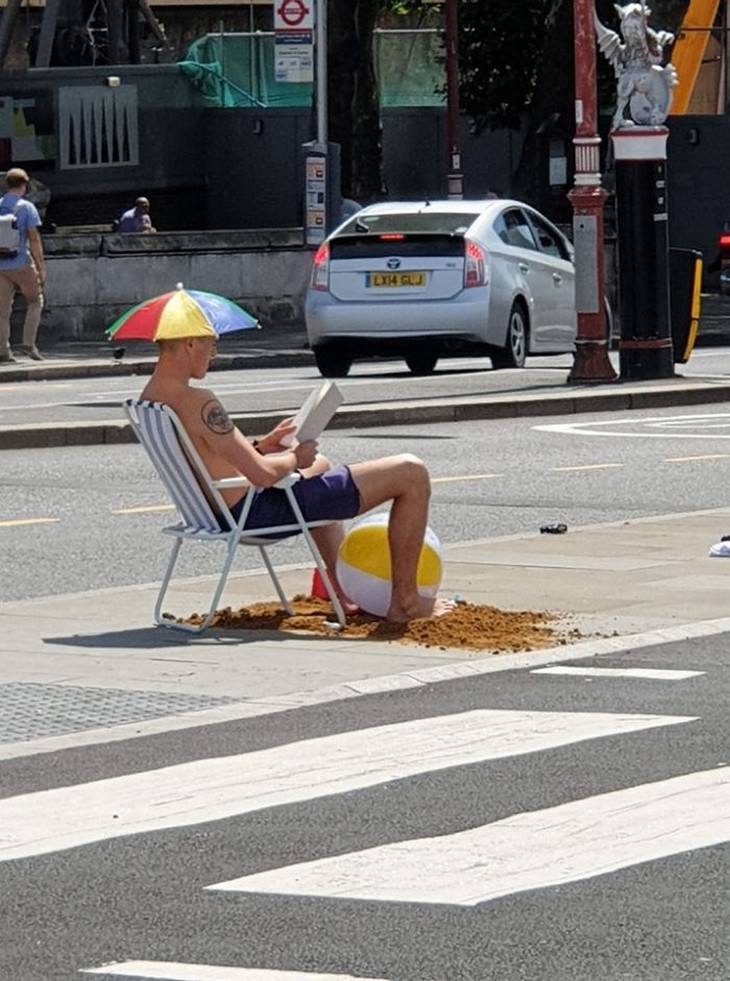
[475, 265]
[725, 241]
[321, 268]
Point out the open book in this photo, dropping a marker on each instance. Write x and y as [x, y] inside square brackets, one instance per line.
[316, 412]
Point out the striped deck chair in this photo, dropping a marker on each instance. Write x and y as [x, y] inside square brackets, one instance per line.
[182, 471]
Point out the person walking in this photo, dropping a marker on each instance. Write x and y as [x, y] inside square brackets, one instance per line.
[22, 264]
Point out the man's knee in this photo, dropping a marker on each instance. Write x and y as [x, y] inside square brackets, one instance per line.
[414, 471]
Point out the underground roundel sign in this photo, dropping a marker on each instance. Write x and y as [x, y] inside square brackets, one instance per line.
[293, 15]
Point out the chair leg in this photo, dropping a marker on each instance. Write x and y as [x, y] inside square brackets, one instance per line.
[187, 628]
[275, 579]
[159, 620]
[335, 599]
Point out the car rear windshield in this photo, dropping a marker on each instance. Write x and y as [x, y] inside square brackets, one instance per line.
[442, 222]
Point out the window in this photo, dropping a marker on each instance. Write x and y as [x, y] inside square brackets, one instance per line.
[440, 222]
[548, 239]
[98, 126]
[514, 229]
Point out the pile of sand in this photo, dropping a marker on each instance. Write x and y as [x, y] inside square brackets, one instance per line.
[468, 627]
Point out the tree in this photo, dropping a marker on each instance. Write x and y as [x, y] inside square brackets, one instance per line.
[516, 63]
[354, 107]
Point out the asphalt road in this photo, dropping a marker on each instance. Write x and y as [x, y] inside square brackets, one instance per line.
[284, 389]
[82, 518]
[567, 828]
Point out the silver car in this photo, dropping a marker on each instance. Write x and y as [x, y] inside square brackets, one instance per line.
[430, 279]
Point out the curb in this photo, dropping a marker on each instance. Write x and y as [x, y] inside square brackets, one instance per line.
[93, 433]
[229, 362]
[459, 670]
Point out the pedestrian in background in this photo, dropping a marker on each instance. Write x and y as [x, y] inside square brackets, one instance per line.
[22, 264]
[137, 220]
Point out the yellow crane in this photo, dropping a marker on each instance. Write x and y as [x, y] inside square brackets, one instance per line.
[690, 50]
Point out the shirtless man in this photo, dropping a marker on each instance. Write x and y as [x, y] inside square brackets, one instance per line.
[327, 492]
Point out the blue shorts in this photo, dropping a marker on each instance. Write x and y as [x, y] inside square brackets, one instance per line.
[332, 496]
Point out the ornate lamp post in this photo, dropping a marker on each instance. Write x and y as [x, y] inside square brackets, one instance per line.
[645, 86]
[591, 363]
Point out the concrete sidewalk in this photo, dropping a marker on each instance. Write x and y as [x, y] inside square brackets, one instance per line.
[623, 585]
[553, 396]
[282, 347]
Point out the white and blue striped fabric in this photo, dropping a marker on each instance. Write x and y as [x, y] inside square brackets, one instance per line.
[157, 434]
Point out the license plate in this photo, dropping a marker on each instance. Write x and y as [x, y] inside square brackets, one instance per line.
[395, 280]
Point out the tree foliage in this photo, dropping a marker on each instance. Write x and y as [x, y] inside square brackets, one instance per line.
[516, 68]
[352, 91]
[515, 57]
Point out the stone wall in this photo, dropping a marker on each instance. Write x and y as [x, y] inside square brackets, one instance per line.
[92, 279]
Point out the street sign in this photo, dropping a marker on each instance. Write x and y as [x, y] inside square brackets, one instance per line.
[294, 41]
[315, 189]
[293, 14]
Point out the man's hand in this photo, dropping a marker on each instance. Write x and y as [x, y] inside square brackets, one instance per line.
[272, 442]
[305, 454]
[41, 270]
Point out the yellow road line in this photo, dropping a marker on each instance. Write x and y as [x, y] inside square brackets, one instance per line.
[476, 476]
[691, 459]
[146, 510]
[17, 522]
[588, 466]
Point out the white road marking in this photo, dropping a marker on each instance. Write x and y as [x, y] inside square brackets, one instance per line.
[692, 459]
[223, 787]
[588, 466]
[533, 850]
[169, 971]
[19, 522]
[653, 674]
[263, 386]
[600, 428]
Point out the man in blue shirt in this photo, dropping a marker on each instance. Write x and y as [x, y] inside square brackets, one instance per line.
[137, 220]
[22, 267]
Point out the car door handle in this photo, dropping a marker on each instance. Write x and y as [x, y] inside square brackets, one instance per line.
[557, 278]
[524, 267]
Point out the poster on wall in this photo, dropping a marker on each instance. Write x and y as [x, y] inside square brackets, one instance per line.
[27, 130]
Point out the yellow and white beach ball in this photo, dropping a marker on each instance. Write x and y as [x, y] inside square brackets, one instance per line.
[363, 565]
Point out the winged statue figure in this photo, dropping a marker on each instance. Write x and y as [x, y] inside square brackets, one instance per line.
[645, 85]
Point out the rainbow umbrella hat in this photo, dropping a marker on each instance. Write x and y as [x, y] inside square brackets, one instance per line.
[181, 313]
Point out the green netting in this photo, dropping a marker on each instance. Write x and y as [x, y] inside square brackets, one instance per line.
[233, 70]
[410, 68]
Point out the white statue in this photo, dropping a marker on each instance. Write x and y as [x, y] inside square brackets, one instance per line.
[644, 84]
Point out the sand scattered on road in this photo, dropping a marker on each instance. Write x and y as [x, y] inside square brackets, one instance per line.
[467, 627]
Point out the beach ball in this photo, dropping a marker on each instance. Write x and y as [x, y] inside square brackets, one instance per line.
[363, 565]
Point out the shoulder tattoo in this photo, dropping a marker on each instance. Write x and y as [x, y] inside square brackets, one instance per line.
[216, 418]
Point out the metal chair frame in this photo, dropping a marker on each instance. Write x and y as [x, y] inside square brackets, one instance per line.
[191, 488]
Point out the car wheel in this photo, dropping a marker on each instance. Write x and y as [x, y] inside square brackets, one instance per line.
[514, 352]
[332, 361]
[422, 363]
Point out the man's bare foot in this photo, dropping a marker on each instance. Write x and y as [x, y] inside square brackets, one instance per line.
[421, 607]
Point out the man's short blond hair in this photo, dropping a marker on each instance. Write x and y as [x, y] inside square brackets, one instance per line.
[15, 177]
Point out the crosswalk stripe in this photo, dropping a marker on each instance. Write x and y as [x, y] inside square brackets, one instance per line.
[169, 971]
[533, 850]
[651, 674]
[212, 789]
